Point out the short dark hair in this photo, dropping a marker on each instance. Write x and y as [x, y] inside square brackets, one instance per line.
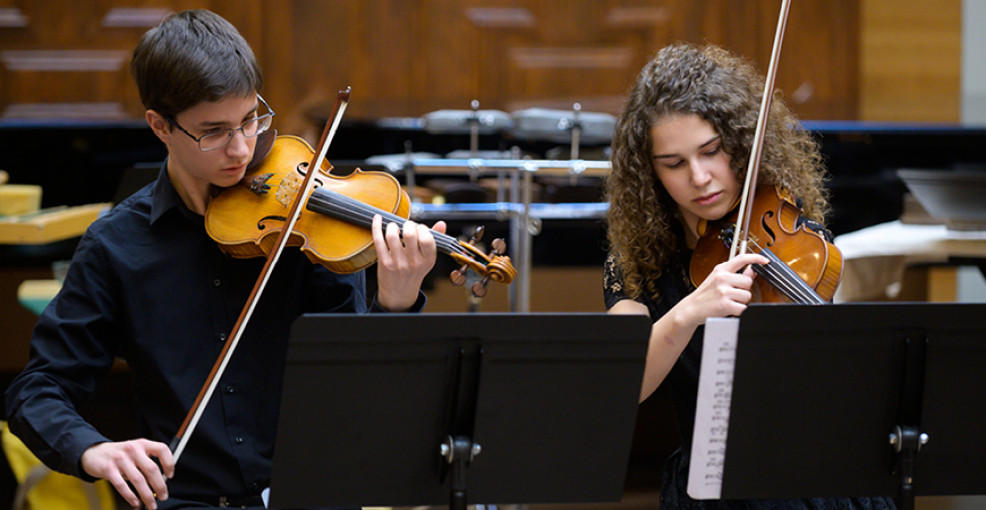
[190, 57]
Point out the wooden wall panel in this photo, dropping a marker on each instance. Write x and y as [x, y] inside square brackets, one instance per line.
[409, 57]
[818, 66]
[64, 58]
[911, 53]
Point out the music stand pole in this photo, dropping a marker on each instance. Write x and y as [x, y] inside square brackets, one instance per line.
[459, 452]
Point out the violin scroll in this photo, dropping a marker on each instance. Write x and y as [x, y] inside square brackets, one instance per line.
[494, 266]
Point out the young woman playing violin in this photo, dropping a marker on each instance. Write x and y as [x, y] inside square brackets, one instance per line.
[149, 285]
[680, 153]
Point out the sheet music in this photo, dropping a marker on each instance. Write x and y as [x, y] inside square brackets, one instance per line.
[715, 388]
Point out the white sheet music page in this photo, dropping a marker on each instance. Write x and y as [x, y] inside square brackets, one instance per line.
[715, 389]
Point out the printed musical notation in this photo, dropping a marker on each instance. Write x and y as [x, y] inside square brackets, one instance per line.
[715, 387]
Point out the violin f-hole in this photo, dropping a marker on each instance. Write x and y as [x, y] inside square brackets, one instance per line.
[260, 222]
[302, 169]
[767, 229]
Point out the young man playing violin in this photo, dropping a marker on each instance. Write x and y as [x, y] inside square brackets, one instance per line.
[148, 284]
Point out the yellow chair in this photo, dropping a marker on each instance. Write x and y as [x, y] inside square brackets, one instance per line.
[40, 488]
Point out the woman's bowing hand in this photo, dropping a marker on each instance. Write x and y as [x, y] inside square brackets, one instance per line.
[725, 292]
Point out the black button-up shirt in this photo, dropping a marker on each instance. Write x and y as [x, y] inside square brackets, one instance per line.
[147, 284]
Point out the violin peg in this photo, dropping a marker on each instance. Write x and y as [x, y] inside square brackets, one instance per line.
[499, 246]
[477, 234]
[458, 277]
[479, 288]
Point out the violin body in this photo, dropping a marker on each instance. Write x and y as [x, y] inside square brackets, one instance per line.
[245, 219]
[775, 233]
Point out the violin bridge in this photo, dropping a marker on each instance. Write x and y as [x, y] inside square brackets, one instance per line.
[288, 189]
[726, 236]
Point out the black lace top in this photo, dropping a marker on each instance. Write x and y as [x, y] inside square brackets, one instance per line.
[673, 285]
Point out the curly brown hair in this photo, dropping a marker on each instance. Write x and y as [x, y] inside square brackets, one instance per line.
[725, 90]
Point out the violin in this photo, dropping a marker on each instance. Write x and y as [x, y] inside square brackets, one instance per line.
[263, 214]
[334, 230]
[804, 267]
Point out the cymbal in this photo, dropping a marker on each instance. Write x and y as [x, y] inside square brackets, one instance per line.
[462, 121]
[549, 125]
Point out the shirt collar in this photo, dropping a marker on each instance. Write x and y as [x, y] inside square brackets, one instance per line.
[165, 197]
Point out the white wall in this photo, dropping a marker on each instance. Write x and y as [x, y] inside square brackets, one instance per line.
[971, 285]
[973, 62]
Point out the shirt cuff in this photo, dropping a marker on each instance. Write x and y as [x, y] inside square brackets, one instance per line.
[85, 441]
[418, 305]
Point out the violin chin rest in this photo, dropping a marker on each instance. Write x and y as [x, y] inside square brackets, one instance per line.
[265, 141]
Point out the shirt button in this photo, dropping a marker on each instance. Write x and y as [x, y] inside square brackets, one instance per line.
[238, 440]
[217, 282]
[222, 337]
[229, 389]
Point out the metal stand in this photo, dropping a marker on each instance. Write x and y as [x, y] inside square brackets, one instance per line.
[524, 216]
[906, 437]
[907, 442]
[459, 452]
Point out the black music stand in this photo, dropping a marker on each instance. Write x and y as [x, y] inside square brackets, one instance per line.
[394, 410]
[858, 400]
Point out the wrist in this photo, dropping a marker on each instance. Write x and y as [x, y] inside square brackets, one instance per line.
[683, 317]
[379, 304]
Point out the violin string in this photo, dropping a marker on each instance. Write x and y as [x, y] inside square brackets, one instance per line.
[781, 275]
[786, 284]
[786, 287]
[806, 291]
[353, 211]
[786, 280]
[362, 214]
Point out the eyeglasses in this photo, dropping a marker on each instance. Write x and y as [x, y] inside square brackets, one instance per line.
[220, 138]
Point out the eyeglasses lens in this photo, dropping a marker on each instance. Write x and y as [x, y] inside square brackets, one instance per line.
[250, 128]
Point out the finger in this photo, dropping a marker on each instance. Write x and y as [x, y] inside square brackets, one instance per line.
[742, 280]
[123, 489]
[379, 242]
[426, 241]
[139, 483]
[724, 278]
[440, 227]
[376, 228]
[748, 271]
[740, 296]
[154, 477]
[736, 264]
[751, 258]
[397, 258]
[162, 453]
[393, 235]
[411, 235]
[736, 309]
